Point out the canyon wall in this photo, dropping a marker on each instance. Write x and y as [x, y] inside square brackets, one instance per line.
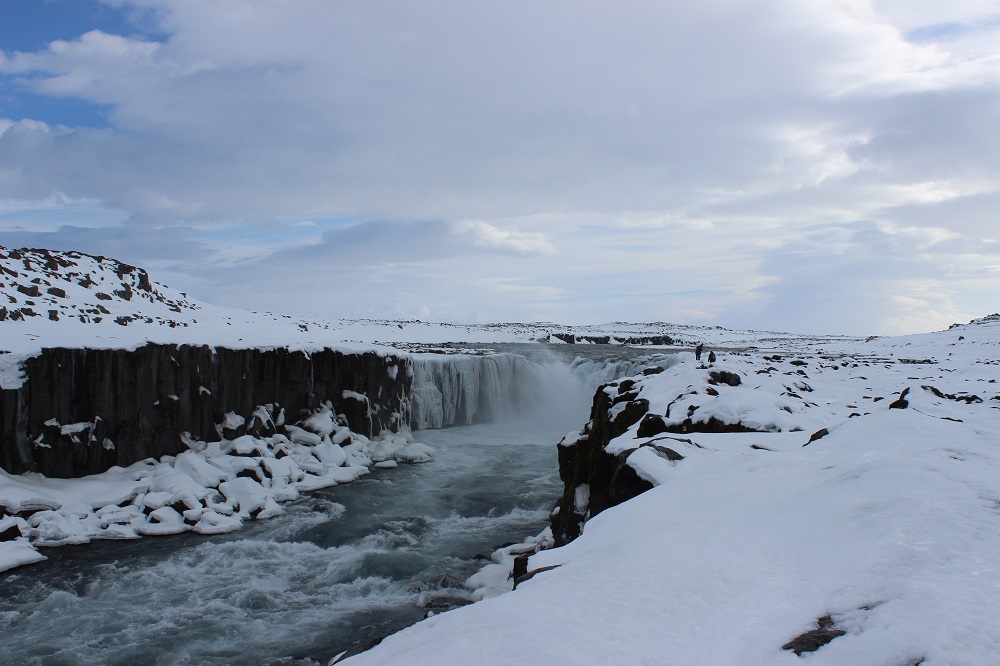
[81, 411]
[593, 479]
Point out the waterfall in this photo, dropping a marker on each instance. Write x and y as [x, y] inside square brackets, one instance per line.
[532, 382]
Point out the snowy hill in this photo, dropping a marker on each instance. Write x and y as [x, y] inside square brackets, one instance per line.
[840, 507]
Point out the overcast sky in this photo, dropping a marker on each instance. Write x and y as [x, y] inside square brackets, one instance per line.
[805, 165]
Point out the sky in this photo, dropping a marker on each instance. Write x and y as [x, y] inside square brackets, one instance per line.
[830, 166]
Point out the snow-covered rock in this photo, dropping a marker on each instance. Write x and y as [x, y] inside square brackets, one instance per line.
[210, 489]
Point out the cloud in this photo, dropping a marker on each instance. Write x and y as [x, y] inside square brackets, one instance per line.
[489, 236]
[647, 160]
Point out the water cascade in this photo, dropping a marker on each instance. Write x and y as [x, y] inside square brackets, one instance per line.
[519, 381]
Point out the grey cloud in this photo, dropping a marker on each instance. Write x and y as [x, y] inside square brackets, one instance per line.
[761, 130]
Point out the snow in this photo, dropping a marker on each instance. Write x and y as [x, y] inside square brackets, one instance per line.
[888, 524]
[210, 489]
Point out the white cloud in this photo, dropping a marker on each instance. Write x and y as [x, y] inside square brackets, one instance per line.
[490, 236]
[637, 161]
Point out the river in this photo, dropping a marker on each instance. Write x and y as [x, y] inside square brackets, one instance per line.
[336, 570]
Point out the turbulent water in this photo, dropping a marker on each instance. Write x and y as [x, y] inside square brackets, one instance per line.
[338, 569]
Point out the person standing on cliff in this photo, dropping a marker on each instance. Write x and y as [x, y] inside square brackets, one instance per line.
[697, 351]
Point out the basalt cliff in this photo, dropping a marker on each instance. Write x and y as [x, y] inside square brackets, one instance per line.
[81, 411]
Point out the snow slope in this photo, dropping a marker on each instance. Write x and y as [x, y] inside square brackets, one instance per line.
[876, 543]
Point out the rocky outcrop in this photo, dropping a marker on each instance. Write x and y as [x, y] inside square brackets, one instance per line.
[594, 479]
[81, 411]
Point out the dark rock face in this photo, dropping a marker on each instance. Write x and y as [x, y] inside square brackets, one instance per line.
[724, 377]
[711, 425]
[651, 424]
[819, 434]
[609, 479]
[814, 639]
[901, 402]
[81, 411]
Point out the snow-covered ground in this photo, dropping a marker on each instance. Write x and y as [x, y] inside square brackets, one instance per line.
[876, 543]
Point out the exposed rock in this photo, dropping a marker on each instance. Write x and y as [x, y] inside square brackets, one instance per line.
[901, 402]
[666, 452]
[531, 574]
[819, 434]
[586, 462]
[651, 424]
[814, 639]
[967, 399]
[144, 399]
[711, 425]
[724, 377]
[625, 482]
[11, 533]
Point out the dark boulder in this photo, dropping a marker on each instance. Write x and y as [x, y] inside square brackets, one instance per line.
[11, 533]
[651, 424]
[724, 377]
[625, 482]
[814, 639]
[901, 402]
[819, 434]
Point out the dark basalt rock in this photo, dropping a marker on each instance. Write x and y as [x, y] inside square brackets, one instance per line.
[724, 377]
[651, 424]
[967, 399]
[32, 291]
[814, 639]
[11, 533]
[901, 402]
[587, 463]
[658, 340]
[711, 425]
[666, 452]
[819, 434]
[625, 482]
[634, 410]
[531, 574]
[137, 403]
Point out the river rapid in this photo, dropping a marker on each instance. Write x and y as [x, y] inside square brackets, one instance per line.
[339, 568]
